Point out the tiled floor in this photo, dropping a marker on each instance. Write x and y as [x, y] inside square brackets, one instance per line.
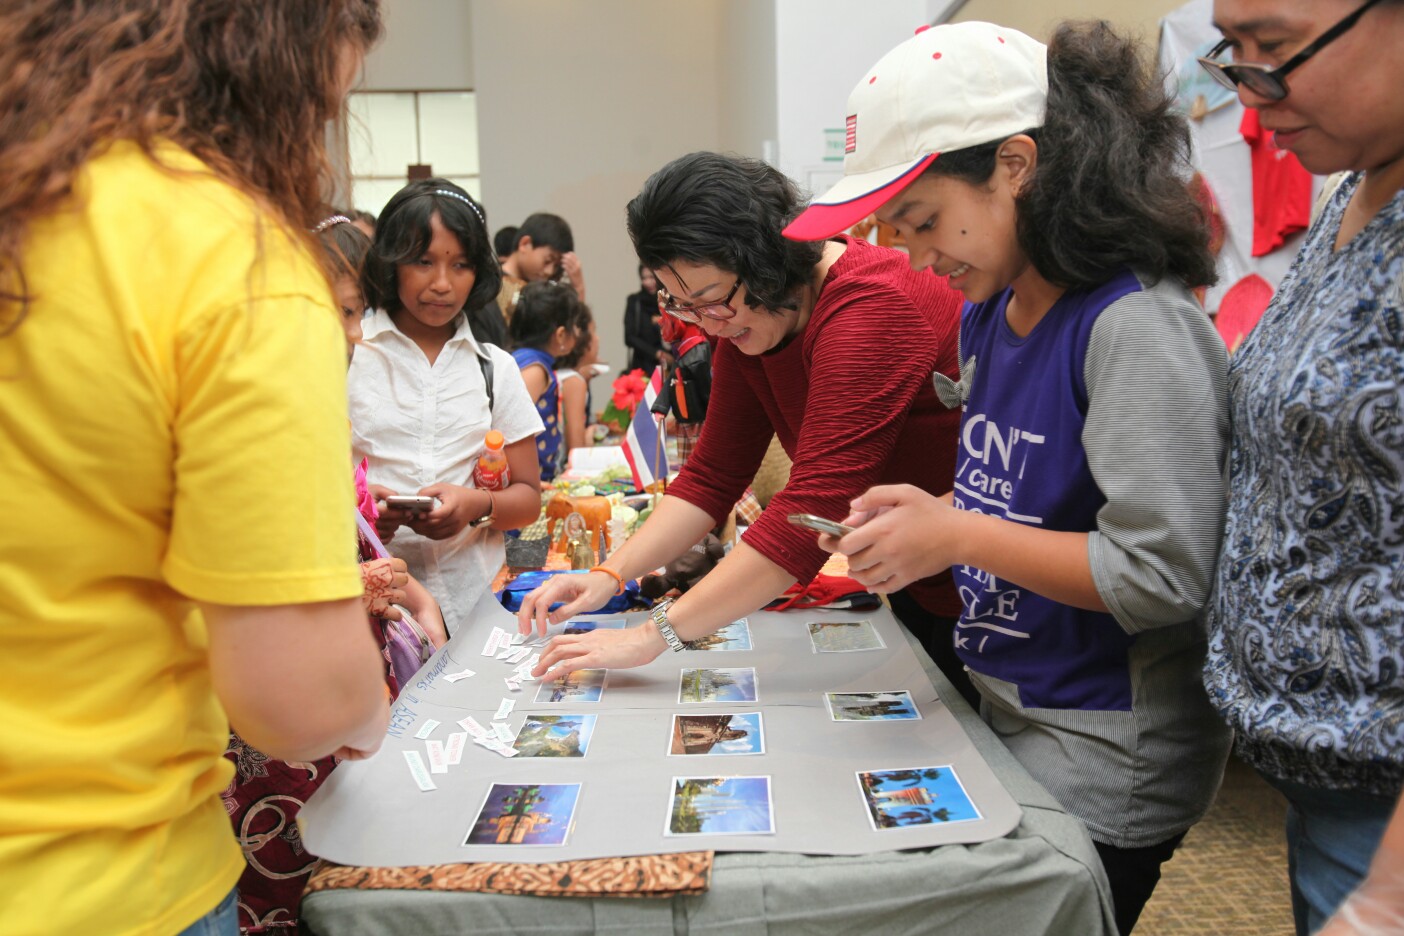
[1230, 875]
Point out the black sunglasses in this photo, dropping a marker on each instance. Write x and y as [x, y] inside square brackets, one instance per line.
[1264, 80]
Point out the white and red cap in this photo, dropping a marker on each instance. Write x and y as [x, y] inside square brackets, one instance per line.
[946, 88]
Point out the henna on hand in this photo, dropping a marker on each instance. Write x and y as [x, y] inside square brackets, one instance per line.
[383, 586]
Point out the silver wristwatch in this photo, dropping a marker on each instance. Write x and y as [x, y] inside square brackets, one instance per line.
[665, 630]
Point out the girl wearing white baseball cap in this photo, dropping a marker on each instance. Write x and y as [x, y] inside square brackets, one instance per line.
[1048, 184]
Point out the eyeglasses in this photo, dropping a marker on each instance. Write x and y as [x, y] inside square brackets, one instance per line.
[1264, 80]
[720, 311]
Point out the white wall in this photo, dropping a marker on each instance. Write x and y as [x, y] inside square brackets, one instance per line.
[823, 48]
[426, 47]
[577, 104]
[746, 93]
[1037, 17]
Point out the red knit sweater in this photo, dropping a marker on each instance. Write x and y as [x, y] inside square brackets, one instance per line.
[852, 402]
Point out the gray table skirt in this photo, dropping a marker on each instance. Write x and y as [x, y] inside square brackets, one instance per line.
[1043, 878]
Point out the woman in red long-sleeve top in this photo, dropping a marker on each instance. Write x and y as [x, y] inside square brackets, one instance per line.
[829, 345]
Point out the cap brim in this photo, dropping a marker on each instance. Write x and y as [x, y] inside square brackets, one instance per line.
[853, 199]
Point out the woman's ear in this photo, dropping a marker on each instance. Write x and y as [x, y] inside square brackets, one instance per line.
[1017, 160]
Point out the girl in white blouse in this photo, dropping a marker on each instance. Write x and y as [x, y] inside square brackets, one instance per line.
[421, 403]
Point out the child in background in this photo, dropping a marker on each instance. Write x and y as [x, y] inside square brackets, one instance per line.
[542, 250]
[420, 402]
[573, 373]
[345, 246]
[504, 242]
[548, 323]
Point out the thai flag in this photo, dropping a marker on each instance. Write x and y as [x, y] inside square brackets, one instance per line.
[643, 443]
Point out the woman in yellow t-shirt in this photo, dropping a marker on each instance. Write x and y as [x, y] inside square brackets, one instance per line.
[172, 407]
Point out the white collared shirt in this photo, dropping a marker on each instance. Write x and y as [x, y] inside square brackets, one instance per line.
[419, 424]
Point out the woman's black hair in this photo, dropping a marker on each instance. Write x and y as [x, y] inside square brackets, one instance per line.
[346, 247]
[728, 212]
[402, 234]
[541, 309]
[581, 326]
[1111, 187]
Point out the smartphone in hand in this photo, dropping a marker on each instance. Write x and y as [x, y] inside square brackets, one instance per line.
[414, 503]
[820, 524]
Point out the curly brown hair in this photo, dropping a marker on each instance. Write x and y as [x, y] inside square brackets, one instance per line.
[247, 86]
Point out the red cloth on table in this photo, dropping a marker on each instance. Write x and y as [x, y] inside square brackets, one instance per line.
[852, 402]
[1281, 188]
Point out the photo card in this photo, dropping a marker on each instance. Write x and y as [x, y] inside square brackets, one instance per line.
[887, 705]
[734, 636]
[555, 735]
[915, 796]
[525, 814]
[724, 733]
[583, 685]
[721, 806]
[718, 685]
[844, 636]
[585, 627]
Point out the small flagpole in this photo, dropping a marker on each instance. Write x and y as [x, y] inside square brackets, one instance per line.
[658, 441]
[658, 450]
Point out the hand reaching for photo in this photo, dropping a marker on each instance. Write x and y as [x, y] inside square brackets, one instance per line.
[600, 649]
[577, 594]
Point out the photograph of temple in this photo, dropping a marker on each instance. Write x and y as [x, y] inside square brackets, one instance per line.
[738, 733]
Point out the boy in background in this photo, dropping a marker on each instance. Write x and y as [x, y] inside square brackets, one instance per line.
[544, 250]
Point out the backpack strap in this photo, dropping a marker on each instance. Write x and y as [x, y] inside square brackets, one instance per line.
[485, 362]
[688, 344]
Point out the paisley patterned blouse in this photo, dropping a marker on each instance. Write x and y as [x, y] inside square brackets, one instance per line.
[1307, 625]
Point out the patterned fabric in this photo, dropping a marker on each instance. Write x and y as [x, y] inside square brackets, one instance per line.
[685, 873]
[548, 407]
[748, 509]
[1307, 628]
[263, 801]
[685, 436]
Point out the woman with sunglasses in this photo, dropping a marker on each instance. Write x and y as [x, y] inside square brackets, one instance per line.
[1307, 627]
[829, 345]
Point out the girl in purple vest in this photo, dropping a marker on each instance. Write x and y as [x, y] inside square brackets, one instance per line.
[1047, 183]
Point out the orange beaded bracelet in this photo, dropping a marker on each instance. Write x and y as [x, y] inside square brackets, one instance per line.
[614, 575]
